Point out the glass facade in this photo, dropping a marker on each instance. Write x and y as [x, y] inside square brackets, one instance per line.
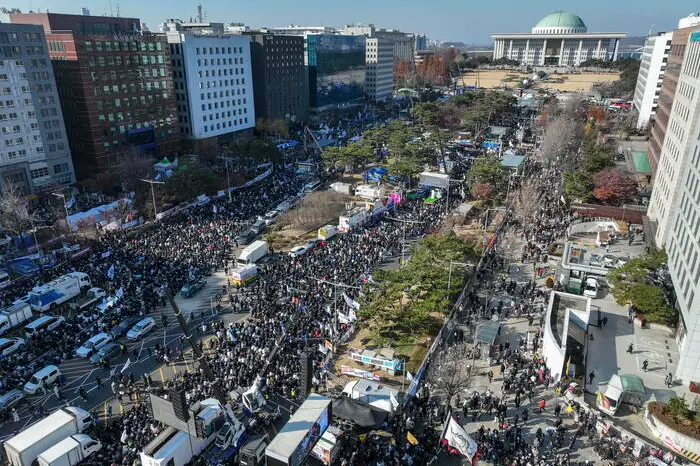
[337, 69]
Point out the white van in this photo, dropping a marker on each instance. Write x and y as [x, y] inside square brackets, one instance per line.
[45, 323]
[311, 186]
[42, 380]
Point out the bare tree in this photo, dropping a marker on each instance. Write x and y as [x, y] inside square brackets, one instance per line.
[15, 217]
[562, 139]
[507, 248]
[527, 201]
[450, 371]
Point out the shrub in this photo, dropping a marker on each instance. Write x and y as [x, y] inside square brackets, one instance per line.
[678, 408]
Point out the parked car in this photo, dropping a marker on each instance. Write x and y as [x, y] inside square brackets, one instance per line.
[297, 251]
[270, 217]
[312, 243]
[191, 288]
[107, 352]
[247, 237]
[141, 328]
[92, 345]
[11, 398]
[42, 380]
[258, 227]
[122, 327]
[10, 345]
[591, 288]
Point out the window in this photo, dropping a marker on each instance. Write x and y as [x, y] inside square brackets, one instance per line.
[39, 172]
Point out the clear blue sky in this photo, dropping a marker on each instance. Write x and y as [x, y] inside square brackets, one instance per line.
[454, 20]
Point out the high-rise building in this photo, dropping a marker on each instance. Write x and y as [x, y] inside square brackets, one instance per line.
[676, 198]
[558, 39]
[116, 87]
[379, 82]
[34, 150]
[421, 42]
[651, 73]
[213, 85]
[403, 43]
[658, 126]
[336, 69]
[281, 85]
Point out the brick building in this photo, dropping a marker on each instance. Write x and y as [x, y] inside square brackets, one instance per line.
[116, 89]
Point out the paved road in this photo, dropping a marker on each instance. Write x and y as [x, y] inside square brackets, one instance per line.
[79, 373]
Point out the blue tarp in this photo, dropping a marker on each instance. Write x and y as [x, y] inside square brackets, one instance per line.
[287, 144]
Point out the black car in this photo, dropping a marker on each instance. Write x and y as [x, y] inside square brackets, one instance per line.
[107, 352]
[246, 237]
[122, 327]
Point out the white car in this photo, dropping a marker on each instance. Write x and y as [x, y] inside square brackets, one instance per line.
[297, 251]
[141, 328]
[10, 345]
[92, 345]
[270, 217]
[591, 288]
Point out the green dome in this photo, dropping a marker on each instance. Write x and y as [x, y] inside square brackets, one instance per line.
[561, 19]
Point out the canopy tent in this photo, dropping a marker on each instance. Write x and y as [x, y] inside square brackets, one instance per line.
[487, 332]
[358, 412]
[512, 161]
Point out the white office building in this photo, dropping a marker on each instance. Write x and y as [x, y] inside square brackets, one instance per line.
[379, 80]
[675, 206]
[558, 39]
[34, 152]
[213, 83]
[651, 74]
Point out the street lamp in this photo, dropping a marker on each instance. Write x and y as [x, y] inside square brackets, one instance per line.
[449, 277]
[63, 196]
[153, 196]
[228, 178]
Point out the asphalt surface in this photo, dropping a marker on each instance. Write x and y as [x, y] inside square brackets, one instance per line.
[80, 373]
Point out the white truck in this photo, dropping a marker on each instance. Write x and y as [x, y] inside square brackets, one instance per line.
[254, 252]
[70, 451]
[352, 218]
[91, 296]
[327, 232]
[24, 448]
[64, 288]
[173, 447]
[245, 274]
[14, 315]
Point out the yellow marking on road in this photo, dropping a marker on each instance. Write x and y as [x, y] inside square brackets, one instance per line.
[162, 377]
[105, 409]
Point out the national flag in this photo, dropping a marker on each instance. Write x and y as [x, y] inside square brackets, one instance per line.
[70, 202]
[106, 254]
[409, 376]
[126, 364]
[563, 201]
[351, 302]
[120, 292]
[411, 438]
[110, 272]
[456, 438]
[284, 329]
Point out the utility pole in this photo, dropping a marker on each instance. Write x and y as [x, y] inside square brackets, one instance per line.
[228, 177]
[153, 195]
[449, 277]
[335, 297]
[403, 240]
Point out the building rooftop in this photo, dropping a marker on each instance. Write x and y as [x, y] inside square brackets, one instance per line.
[561, 19]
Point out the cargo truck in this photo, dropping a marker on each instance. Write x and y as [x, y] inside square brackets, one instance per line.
[70, 451]
[24, 448]
[253, 253]
[92, 296]
[14, 315]
[245, 274]
[64, 288]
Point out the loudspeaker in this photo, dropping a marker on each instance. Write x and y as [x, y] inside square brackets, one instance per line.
[180, 406]
[307, 373]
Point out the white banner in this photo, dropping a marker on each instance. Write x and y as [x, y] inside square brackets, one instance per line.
[351, 302]
[457, 439]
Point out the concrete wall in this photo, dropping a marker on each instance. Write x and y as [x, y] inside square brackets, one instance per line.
[678, 442]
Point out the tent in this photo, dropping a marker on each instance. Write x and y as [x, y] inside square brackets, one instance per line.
[360, 413]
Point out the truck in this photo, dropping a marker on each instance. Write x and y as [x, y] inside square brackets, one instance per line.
[253, 452]
[14, 315]
[173, 447]
[91, 296]
[625, 388]
[352, 218]
[254, 252]
[64, 288]
[70, 451]
[244, 274]
[24, 448]
[327, 232]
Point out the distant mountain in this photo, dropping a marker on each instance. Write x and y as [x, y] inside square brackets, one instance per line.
[633, 41]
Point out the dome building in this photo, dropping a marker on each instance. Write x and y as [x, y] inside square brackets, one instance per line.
[558, 39]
